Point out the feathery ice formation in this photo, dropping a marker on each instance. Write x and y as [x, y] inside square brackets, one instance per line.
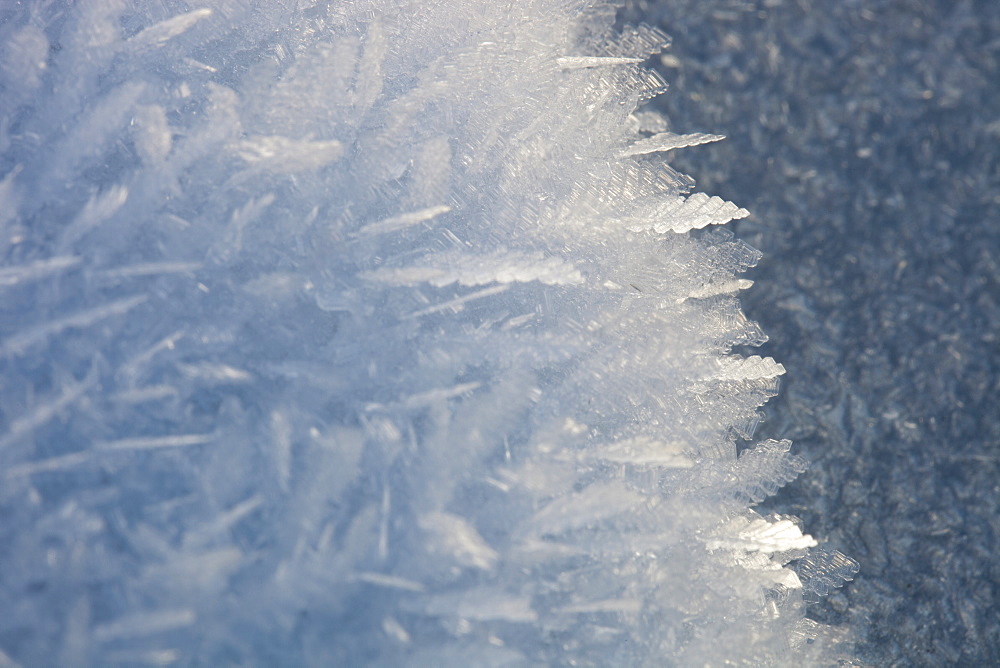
[374, 333]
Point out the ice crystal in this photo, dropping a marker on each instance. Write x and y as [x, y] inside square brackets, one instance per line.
[374, 333]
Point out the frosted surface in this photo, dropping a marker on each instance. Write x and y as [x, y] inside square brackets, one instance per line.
[376, 333]
[877, 205]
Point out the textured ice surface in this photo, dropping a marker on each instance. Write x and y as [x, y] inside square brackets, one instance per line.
[375, 333]
[877, 206]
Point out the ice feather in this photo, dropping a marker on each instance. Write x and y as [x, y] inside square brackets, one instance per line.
[375, 333]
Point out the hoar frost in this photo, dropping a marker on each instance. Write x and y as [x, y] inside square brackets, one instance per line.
[375, 333]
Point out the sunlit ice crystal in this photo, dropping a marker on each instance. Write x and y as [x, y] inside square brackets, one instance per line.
[375, 333]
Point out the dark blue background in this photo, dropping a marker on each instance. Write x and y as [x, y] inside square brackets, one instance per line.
[865, 139]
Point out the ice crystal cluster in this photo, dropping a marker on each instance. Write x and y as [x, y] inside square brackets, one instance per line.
[374, 332]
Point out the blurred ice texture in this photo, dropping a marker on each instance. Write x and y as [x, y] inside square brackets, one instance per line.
[878, 209]
[374, 333]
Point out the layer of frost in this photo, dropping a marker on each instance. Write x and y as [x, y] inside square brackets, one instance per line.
[374, 333]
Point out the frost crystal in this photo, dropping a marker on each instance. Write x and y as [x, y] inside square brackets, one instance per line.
[374, 333]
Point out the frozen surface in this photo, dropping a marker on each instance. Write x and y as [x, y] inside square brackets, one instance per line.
[376, 333]
[875, 192]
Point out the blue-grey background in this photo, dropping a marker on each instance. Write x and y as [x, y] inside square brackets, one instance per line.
[865, 139]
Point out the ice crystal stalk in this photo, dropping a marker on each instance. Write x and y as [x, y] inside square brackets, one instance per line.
[374, 333]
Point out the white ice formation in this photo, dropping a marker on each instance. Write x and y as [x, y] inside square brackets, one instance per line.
[374, 332]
